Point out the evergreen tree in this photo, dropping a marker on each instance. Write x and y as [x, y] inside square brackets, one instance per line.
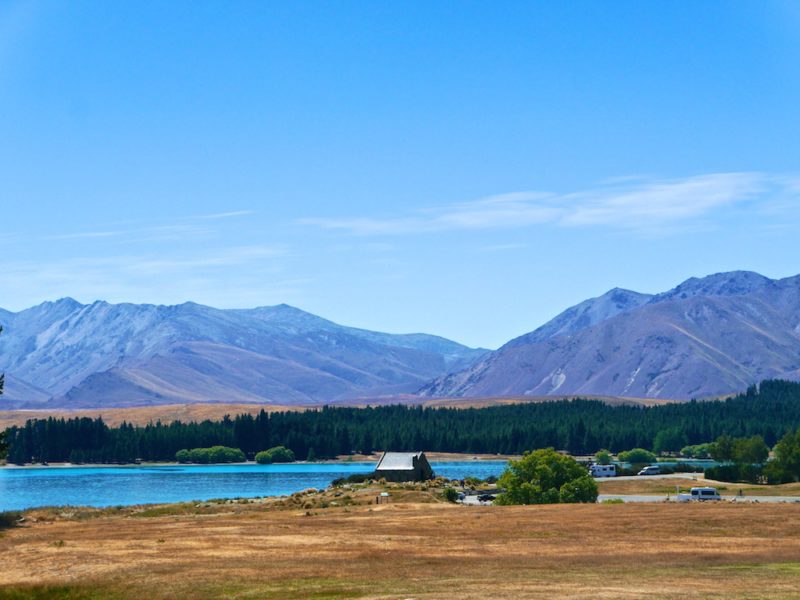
[580, 426]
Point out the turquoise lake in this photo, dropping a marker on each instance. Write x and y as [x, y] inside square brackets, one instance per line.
[117, 486]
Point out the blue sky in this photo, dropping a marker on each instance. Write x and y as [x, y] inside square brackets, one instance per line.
[466, 169]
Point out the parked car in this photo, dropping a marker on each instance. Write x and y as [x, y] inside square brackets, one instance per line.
[651, 470]
[700, 494]
[603, 470]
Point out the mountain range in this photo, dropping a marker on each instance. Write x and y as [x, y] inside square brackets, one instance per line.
[68, 354]
[706, 337]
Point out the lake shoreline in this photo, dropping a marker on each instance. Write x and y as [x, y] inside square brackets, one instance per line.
[159, 483]
[351, 459]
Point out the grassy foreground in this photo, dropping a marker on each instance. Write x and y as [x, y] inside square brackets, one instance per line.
[337, 546]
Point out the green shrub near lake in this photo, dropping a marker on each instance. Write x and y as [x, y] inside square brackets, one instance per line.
[278, 454]
[603, 457]
[637, 456]
[697, 451]
[354, 478]
[545, 477]
[785, 468]
[215, 454]
[450, 494]
[9, 518]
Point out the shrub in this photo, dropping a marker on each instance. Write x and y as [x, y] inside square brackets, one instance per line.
[735, 473]
[787, 456]
[545, 477]
[680, 468]
[750, 451]
[355, 478]
[450, 494]
[637, 456]
[9, 519]
[748, 456]
[221, 454]
[722, 449]
[697, 451]
[582, 489]
[278, 454]
[215, 454]
[603, 457]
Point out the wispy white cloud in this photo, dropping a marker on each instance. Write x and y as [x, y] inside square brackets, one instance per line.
[87, 235]
[658, 202]
[138, 231]
[505, 210]
[225, 215]
[646, 204]
[208, 260]
[502, 247]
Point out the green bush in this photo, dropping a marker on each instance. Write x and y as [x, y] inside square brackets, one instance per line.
[603, 457]
[748, 456]
[9, 519]
[637, 456]
[750, 451]
[355, 478]
[545, 477]
[696, 451]
[785, 467]
[735, 473]
[678, 468]
[213, 455]
[582, 489]
[450, 494]
[278, 454]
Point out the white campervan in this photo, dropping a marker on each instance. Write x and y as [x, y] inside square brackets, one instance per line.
[651, 470]
[700, 494]
[603, 470]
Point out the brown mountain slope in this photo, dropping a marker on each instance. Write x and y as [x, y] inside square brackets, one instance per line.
[707, 337]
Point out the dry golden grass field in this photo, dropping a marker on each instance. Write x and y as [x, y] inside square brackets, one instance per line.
[142, 415]
[336, 546]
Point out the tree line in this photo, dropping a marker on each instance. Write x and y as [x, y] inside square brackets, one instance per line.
[579, 426]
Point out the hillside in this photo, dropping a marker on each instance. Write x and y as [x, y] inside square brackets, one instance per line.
[67, 354]
[706, 337]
